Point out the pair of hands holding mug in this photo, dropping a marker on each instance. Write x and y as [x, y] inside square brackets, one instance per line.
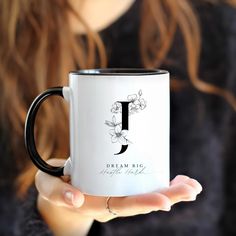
[60, 193]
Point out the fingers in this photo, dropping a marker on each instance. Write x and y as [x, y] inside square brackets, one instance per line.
[140, 204]
[179, 179]
[60, 192]
[180, 192]
[124, 206]
[57, 191]
[195, 184]
[182, 188]
[130, 206]
[187, 180]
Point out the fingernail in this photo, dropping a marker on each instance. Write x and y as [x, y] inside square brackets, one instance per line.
[77, 201]
[166, 208]
[199, 190]
[73, 199]
[69, 196]
[191, 198]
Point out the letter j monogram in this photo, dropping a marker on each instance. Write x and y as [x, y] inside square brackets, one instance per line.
[120, 128]
[124, 122]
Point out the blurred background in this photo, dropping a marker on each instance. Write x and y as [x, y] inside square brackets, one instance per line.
[41, 41]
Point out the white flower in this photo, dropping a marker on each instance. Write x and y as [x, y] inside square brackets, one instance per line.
[118, 135]
[112, 123]
[133, 108]
[136, 103]
[142, 103]
[116, 107]
[132, 98]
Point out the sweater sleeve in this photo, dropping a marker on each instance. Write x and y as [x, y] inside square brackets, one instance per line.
[229, 217]
[30, 222]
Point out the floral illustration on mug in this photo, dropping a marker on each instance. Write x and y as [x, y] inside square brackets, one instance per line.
[117, 134]
[135, 104]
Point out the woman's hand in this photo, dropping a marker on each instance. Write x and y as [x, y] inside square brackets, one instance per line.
[58, 199]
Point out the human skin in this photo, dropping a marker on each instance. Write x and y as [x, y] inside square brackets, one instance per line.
[65, 209]
[97, 14]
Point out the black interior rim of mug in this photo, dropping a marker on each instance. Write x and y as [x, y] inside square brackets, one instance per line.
[119, 71]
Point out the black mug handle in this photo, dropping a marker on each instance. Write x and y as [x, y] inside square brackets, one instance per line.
[29, 132]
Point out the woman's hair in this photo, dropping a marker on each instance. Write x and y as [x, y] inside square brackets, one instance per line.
[38, 49]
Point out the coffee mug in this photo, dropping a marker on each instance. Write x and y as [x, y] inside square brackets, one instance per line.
[119, 131]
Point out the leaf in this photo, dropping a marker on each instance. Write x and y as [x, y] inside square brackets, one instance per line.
[114, 120]
[140, 93]
[109, 123]
[128, 141]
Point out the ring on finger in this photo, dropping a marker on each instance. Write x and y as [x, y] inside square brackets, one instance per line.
[109, 208]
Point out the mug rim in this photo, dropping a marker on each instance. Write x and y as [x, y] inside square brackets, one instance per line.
[119, 72]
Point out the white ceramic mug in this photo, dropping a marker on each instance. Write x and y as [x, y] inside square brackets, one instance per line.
[119, 131]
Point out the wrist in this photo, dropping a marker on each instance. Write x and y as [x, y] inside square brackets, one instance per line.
[63, 221]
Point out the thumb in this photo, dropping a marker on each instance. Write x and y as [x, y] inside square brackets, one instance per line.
[55, 190]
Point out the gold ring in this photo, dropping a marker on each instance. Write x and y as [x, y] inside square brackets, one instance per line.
[108, 207]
